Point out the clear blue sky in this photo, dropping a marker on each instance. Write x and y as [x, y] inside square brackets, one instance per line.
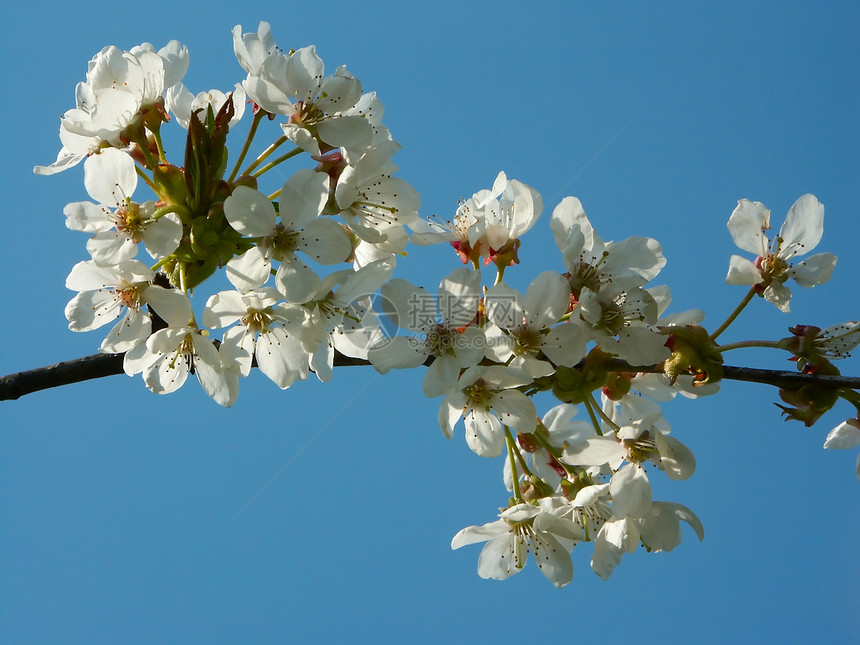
[117, 505]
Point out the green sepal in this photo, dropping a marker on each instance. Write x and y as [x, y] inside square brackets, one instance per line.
[693, 352]
[170, 184]
[572, 385]
[810, 401]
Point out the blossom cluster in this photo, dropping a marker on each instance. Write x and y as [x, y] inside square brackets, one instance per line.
[491, 349]
[289, 312]
[311, 266]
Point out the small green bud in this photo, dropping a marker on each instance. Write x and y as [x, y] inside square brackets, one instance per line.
[693, 352]
[810, 401]
[170, 184]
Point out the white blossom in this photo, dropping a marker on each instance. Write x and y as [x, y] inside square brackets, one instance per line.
[485, 397]
[527, 329]
[513, 536]
[170, 355]
[773, 266]
[119, 86]
[300, 228]
[119, 293]
[277, 334]
[119, 223]
[443, 325]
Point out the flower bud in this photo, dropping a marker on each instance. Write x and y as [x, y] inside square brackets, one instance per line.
[810, 401]
[535, 488]
[170, 184]
[693, 352]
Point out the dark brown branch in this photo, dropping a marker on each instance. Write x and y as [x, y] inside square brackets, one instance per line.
[788, 379]
[14, 386]
[777, 378]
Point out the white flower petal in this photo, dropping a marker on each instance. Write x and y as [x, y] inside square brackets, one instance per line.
[401, 352]
[844, 436]
[459, 297]
[172, 305]
[484, 434]
[552, 559]
[473, 534]
[747, 225]
[441, 376]
[631, 491]
[296, 280]
[249, 270]
[250, 212]
[110, 248]
[325, 241]
[516, 410]
[87, 217]
[162, 236]
[596, 451]
[109, 177]
[675, 458]
[282, 357]
[803, 227]
[547, 299]
[407, 306]
[504, 306]
[814, 270]
[499, 558]
[303, 197]
[743, 272]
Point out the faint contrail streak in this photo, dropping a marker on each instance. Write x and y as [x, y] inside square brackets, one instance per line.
[589, 162]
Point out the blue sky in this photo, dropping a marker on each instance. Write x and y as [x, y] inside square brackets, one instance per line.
[118, 508]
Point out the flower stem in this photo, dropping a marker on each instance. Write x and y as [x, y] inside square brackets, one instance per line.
[509, 440]
[265, 154]
[251, 134]
[156, 135]
[591, 403]
[155, 267]
[281, 159]
[749, 343]
[500, 274]
[728, 321]
[182, 211]
[145, 177]
[551, 449]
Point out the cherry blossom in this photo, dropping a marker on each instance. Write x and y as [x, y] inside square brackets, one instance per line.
[485, 397]
[120, 293]
[252, 49]
[170, 355]
[513, 536]
[277, 334]
[448, 335]
[119, 223]
[773, 267]
[524, 332]
[300, 228]
[119, 87]
[374, 204]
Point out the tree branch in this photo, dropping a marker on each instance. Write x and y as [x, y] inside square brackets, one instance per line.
[14, 386]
